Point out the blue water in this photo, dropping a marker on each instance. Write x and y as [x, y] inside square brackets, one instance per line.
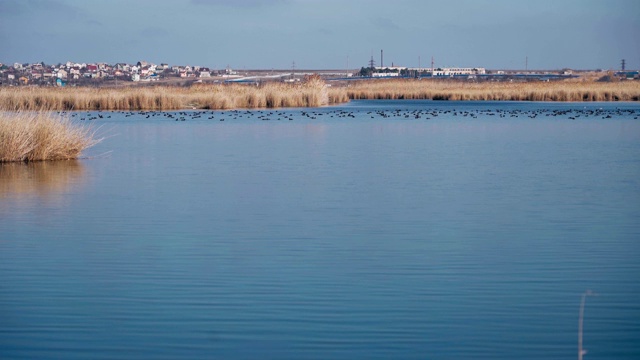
[372, 230]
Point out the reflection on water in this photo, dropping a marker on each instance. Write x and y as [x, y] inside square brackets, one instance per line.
[43, 179]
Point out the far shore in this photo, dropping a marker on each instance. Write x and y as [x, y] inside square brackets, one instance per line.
[312, 93]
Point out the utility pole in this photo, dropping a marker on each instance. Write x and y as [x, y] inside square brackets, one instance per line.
[432, 66]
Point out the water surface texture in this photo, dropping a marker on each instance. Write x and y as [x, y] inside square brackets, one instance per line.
[373, 230]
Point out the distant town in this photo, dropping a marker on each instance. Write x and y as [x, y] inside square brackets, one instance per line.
[122, 74]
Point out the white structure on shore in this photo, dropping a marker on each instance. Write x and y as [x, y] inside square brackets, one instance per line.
[453, 71]
[456, 71]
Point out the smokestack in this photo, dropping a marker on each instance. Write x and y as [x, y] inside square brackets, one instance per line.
[381, 59]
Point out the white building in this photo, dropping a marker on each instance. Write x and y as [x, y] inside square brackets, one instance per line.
[452, 71]
[385, 74]
[456, 71]
[204, 72]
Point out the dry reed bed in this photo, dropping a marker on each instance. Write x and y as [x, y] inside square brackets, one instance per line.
[312, 93]
[530, 91]
[37, 136]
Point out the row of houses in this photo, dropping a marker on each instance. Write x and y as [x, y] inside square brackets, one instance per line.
[60, 74]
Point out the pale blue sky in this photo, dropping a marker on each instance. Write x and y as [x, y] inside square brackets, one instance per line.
[322, 34]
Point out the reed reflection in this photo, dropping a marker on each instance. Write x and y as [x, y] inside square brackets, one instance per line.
[43, 179]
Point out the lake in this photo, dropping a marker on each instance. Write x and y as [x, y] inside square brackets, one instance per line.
[370, 230]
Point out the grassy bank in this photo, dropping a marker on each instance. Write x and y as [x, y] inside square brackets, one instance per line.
[497, 91]
[37, 136]
[312, 93]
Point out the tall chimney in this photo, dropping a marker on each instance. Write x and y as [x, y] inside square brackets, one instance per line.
[381, 59]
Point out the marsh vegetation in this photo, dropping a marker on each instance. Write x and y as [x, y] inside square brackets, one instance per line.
[495, 91]
[313, 92]
[36, 136]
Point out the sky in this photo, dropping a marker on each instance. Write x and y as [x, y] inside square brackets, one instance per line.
[325, 34]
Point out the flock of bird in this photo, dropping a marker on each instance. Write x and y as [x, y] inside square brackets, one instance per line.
[407, 114]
